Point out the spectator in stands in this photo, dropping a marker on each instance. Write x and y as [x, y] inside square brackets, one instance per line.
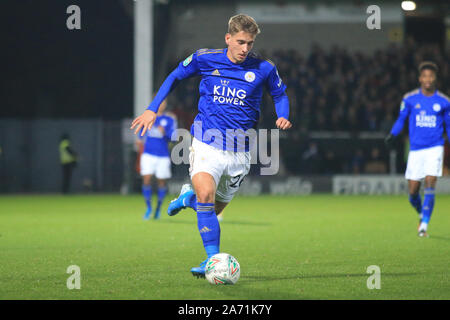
[311, 159]
[331, 164]
[358, 162]
[375, 164]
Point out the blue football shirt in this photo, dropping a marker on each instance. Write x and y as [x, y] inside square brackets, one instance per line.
[427, 116]
[230, 95]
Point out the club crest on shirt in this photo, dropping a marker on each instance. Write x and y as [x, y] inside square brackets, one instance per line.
[187, 60]
[417, 106]
[250, 76]
[437, 107]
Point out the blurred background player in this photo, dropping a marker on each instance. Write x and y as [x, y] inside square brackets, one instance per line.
[231, 91]
[427, 110]
[68, 158]
[155, 158]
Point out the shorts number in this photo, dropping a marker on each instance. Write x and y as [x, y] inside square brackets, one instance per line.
[191, 159]
[237, 181]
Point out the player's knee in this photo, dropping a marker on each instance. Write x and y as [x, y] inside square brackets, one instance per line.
[161, 183]
[205, 195]
[430, 182]
[414, 189]
[146, 179]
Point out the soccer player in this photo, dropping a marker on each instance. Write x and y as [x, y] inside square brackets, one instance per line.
[427, 110]
[230, 96]
[155, 158]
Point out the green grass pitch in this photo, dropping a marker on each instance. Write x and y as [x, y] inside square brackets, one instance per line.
[311, 247]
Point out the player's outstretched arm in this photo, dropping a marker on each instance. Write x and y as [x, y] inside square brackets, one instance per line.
[187, 68]
[145, 122]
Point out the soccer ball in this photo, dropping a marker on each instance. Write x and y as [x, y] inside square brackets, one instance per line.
[222, 268]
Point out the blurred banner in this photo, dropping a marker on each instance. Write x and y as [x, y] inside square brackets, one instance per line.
[379, 184]
[317, 184]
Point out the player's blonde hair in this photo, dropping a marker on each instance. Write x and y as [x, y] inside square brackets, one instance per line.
[243, 22]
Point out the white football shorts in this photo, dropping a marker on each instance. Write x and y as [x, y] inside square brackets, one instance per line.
[228, 168]
[158, 166]
[425, 162]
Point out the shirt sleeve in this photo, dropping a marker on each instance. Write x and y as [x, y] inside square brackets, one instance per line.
[405, 110]
[277, 90]
[447, 120]
[186, 69]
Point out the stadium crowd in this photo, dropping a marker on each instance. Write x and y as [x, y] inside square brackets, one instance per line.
[336, 90]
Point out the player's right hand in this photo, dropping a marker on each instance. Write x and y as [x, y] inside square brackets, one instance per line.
[389, 140]
[283, 123]
[144, 121]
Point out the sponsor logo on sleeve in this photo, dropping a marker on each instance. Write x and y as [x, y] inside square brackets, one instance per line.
[402, 106]
[187, 60]
[279, 79]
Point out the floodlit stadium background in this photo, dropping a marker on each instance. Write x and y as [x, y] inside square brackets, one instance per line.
[337, 207]
[345, 83]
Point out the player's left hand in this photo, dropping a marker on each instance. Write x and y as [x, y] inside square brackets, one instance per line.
[283, 124]
[144, 121]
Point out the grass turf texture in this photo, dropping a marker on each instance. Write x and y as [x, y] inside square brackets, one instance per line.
[315, 247]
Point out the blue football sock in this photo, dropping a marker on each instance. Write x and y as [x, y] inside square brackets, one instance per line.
[191, 202]
[161, 194]
[416, 202]
[209, 228]
[428, 204]
[147, 193]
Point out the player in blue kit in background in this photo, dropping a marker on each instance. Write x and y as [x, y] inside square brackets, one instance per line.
[427, 110]
[231, 89]
[155, 158]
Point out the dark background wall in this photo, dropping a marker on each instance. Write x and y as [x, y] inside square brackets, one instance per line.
[29, 161]
[50, 71]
